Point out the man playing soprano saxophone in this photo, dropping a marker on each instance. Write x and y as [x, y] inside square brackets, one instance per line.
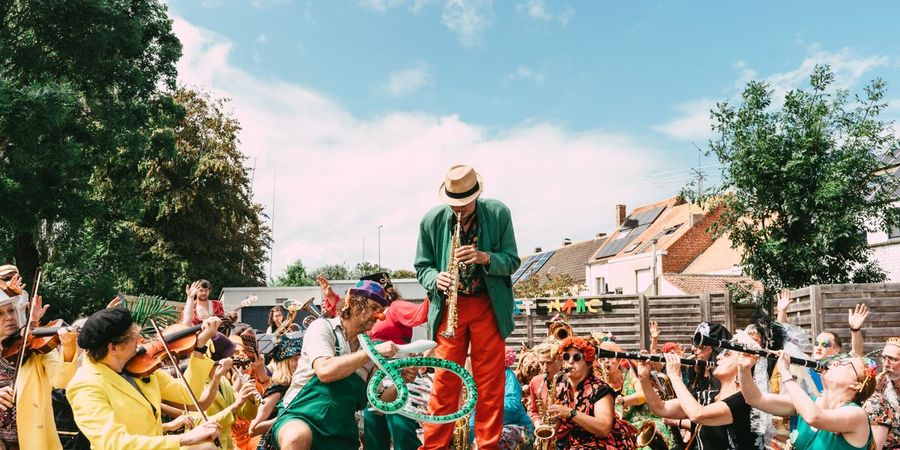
[487, 256]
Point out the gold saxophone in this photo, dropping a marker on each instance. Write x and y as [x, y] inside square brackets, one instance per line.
[545, 433]
[460, 439]
[453, 269]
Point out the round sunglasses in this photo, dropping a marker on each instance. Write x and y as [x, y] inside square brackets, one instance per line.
[575, 357]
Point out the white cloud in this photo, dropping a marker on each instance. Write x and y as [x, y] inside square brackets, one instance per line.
[537, 9]
[468, 19]
[262, 39]
[848, 66]
[339, 176]
[693, 122]
[407, 81]
[527, 74]
[381, 5]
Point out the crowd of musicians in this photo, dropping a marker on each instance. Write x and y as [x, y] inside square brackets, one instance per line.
[107, 382]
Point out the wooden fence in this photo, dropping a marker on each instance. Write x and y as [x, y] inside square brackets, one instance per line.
[815, 309]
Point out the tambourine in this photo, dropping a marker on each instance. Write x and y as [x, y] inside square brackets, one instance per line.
[405, 403]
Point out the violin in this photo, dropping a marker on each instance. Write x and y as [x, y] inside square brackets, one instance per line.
[40, 340]
[179, 339]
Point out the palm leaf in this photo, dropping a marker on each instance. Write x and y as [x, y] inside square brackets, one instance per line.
[154, 307]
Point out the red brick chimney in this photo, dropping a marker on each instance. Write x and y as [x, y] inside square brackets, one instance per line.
[620, 215]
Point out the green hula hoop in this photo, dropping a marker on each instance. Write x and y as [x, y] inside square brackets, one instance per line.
[401, 405]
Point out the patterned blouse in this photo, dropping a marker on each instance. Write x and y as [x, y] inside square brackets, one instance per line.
[883, 409]
[8, 418]
[471, 276]
[572, 436]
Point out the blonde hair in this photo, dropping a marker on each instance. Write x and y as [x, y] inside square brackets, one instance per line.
[281, 374]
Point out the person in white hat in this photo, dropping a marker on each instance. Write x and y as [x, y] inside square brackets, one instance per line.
[488, 256]
[11, 286]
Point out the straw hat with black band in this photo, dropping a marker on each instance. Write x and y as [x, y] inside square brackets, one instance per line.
[461, 186]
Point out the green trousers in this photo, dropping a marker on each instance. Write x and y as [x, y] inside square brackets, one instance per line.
[380, 429]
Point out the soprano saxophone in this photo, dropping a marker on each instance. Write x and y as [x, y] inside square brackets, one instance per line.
[453, 269]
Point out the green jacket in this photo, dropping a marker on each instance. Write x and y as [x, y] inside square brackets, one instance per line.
[496, 237]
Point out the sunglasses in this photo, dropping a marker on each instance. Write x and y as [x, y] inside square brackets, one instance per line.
[575, 357]
[7, 278]
[824, 343]
[844, 362]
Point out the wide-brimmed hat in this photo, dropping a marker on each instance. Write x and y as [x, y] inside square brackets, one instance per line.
[461, 186]
[7, 269]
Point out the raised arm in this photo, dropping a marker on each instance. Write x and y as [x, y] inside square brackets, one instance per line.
[856, 318]
[662, 408]
[777, 404]
[716, 413]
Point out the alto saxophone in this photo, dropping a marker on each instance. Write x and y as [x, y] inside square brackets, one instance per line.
[453, 269]
[545, 433]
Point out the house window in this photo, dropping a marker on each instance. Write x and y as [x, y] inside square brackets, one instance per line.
[632, 247]
[601, 285]
[894, 232]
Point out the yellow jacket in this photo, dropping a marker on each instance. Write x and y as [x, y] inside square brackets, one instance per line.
[34, 407]
[217, 412]
[113, 415]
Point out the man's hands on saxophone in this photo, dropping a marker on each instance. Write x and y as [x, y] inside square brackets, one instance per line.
[466, 254]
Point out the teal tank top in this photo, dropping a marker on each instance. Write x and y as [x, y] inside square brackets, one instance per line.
[809, 439]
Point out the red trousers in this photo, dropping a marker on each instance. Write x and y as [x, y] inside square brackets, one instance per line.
[478, 327]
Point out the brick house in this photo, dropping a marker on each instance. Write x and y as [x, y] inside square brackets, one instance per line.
[655, 239]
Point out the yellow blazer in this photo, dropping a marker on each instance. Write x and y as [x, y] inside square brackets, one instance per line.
[218, 412]
[114, 415]
[34, 407]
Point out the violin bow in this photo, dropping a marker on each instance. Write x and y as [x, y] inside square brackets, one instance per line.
[37, 283]
[181, 376]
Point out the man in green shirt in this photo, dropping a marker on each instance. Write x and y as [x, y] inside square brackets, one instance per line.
[487, 257]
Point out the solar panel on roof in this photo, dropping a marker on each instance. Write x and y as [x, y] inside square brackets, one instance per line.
[544, 257]
[518, 273]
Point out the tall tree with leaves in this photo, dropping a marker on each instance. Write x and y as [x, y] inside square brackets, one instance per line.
[803, 182]
[295, 275]
[198, 218]
[79, 84]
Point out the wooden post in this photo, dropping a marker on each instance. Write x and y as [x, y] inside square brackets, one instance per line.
[704, 307]
[815, 310]
[643, 321]
[729, 311]
[529, 327]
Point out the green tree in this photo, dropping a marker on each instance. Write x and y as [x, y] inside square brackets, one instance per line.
[332, 272]
[804, 181]
[403, 273]
[547, 285]
[79, 87]
[295, 275]
[197, 217]
[366, 268]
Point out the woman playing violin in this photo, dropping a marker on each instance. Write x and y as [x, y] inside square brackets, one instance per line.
[32, 426]
[117, 411]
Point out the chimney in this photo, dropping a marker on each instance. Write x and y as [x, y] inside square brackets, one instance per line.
[601, 234]
[620, 215]
[537, 250]
[566, 242]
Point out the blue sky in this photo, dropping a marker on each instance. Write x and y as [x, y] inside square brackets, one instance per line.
[568, 107]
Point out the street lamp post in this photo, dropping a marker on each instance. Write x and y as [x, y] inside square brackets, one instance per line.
[379, 246]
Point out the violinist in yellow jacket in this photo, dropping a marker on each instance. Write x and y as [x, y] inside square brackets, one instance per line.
[116, 411]
[26, 408]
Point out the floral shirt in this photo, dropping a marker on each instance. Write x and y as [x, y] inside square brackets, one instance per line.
[8, 417]
[572, 436]
[471, 276]
[883, 408]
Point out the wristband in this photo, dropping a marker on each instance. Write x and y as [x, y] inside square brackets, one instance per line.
[201, 349]
[572, 414]
[854, 329]
[792, 378]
